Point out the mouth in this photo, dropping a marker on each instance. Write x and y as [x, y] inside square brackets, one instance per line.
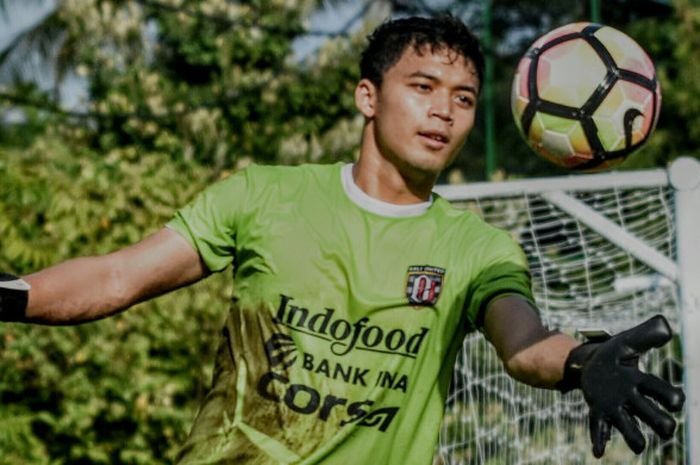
[434, 139]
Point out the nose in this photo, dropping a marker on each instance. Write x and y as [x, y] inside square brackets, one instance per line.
[441, 107]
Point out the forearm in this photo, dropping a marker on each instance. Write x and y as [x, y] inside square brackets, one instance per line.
[76, 291]
[542, 364]
[90, 288]
[530, 352]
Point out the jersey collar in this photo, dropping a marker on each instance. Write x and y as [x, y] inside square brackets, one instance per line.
[376, 206]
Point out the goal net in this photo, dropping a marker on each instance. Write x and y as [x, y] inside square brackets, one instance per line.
[603, 252]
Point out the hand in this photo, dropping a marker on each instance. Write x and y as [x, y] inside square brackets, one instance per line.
[14, 293]
[617, 392]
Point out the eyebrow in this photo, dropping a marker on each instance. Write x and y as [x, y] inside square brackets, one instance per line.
[430, 77]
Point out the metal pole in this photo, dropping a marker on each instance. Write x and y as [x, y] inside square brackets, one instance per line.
[685, 178]
[489, 115]
[595, 11]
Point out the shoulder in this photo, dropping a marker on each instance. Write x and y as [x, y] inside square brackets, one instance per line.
[264, 186]
[269, 175]
[466, 227]
[460, 218]
[292, 171]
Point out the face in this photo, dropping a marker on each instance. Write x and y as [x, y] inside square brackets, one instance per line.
[422, 113]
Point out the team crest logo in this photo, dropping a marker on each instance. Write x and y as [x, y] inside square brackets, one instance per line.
[424, 284]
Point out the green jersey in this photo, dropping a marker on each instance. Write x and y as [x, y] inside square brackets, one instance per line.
[347, 314]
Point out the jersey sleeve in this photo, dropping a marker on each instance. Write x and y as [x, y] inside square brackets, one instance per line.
[503, 270]
[210, 222]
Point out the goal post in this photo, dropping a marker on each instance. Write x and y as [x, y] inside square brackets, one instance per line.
[605, 251]
[685, 179]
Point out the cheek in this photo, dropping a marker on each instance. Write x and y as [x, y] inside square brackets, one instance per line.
[396, 120]
[415, 107]
[401, 110]
[466, 125]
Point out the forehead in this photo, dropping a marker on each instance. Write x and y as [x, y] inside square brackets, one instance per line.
[442, 63]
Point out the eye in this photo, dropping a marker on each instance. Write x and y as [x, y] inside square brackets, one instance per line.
[465, 101]
[422, 87]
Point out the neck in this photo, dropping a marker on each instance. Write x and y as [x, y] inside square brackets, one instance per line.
[384, 180]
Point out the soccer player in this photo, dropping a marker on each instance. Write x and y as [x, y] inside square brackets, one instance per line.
[355, 285]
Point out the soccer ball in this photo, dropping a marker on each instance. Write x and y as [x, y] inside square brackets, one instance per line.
[585, 96]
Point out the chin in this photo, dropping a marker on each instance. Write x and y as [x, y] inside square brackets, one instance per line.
[431, 164]
[424, 169]
[420, 164]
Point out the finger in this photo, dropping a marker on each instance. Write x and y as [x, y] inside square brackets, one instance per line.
[629, 428]
[599, 430]
[654, 332]
[670, 397]
[662, 423]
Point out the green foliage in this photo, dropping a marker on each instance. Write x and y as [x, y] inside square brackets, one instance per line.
[209, 81]
[673, 45]
[180, 94]
[122, 390]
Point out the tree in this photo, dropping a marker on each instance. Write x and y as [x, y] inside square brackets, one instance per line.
[180, 94]
[119, 391]
[208, 81]
[673, 44]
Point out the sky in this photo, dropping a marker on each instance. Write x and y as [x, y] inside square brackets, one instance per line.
[20, 16]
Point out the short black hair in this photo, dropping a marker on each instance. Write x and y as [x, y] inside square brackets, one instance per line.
[389, 41]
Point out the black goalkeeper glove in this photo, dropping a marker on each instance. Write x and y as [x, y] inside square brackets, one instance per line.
[617, 392]
[14, 293]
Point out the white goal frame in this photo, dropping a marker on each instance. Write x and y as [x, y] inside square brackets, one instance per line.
[683, 177]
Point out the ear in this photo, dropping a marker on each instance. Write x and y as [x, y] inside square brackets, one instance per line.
[366, 97]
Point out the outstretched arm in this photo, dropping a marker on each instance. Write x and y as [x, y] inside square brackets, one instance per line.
[530, 352]
[606, 370]
[90, 288]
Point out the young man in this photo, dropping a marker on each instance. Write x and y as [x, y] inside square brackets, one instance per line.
[355, 286]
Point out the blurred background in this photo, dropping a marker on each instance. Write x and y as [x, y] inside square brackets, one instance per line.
[113, 113]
